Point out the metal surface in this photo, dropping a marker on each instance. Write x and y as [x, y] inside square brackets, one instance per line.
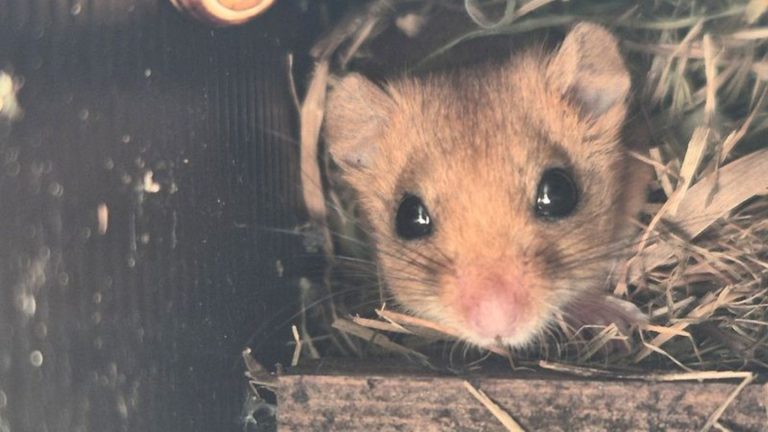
[137, 199]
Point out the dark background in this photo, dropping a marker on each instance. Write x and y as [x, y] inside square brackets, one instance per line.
[141, 328]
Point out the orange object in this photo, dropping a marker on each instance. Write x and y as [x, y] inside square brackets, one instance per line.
[223, 12]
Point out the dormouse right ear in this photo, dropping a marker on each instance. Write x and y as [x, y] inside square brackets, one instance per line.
[356, 113]
[589, 70]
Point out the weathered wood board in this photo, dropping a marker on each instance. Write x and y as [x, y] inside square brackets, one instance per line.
[353, 397]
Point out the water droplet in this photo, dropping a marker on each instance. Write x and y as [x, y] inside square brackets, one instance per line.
[36, 168]
[12, 169]
[36, 358]
[76, 9]
[83, 114]
[41, 330]
[5, 363]
[147, 72]
[85, 233]
[122, 407]
[30, 232]
[304, 284]
[63, 278]
[27, 304]
[56, 189]
[125, 138]
[12, 154]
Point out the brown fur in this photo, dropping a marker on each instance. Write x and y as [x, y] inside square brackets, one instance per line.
[473, 143]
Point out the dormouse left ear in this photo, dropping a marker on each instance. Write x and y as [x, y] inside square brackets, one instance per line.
[589, 70]
[356, 112]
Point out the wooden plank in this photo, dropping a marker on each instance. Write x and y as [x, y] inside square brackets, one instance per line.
[351, 397]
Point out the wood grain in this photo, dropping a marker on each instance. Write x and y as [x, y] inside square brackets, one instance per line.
[354, 397]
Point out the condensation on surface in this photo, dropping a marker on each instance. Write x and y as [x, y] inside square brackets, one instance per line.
[138, 174]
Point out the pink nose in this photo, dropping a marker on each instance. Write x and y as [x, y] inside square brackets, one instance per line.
[490, 317]
[494, 306]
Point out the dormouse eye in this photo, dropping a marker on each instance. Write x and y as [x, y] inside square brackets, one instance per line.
[412, 220]
[557, 194]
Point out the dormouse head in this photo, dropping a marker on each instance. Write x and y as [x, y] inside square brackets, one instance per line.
[492, 191]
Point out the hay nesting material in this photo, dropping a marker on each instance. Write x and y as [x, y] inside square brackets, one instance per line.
[701, 269]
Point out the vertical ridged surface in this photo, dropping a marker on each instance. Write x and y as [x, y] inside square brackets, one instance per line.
[141, 328]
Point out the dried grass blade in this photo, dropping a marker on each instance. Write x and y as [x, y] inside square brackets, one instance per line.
[761, 70]
[755, 9]
[676, 306]
[738, 181]
[595, 344]
[433, 329]
[667, 330]
[734, 137]
[662, 172]
[475, 11]
[256, 373]
[751, 34]
[387, 326]
[297, 348]
[710, 71]
[312, 111]
[658, 350]
[581, 371]
[699, 376]
[680, 50]
[720, 410]
[680, 23]
[506, 420]
[709, 304]
[696, 148]
[349, 327]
